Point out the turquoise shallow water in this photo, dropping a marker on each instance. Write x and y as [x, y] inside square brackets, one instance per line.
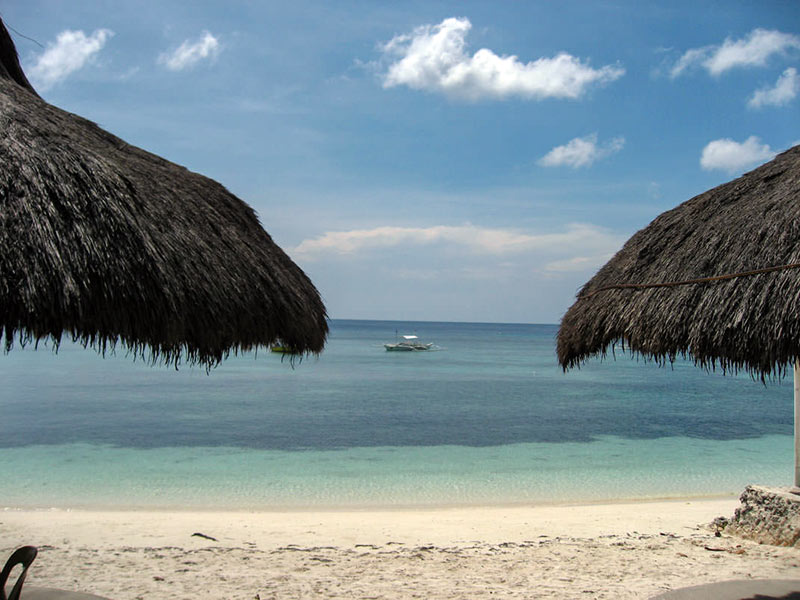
[610, 468]
[489, 418]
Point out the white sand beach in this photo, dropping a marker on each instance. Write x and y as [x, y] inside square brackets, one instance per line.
[623, 550]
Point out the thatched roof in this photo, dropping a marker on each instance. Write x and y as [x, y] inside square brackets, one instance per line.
[108, 243]
[750, 323]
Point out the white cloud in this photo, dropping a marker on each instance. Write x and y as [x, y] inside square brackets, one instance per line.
[433, 58]
[728, 155]
[785, 90]
[129, 74]
[415, 272]
[578, 263]
[580, 152]
[654, 190]
[70, 52]
[478, 240]
[751, 51]
[189, 53]
[690, 58]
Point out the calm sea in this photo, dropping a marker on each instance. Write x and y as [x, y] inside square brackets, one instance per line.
[488, 417]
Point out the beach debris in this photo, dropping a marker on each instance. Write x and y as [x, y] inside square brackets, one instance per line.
[296, 548]
[718, 525]
[204, 536]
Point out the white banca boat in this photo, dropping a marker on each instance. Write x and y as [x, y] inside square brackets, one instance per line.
[409, 343]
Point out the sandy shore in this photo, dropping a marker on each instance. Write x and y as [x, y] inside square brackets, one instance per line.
[630, 550]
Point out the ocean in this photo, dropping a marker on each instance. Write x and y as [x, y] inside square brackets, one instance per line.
[488, 417]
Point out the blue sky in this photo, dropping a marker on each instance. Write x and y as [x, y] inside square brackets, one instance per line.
[458, 161]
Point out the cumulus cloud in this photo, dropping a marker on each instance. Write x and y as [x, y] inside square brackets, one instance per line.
[784, 91]
[731, 156]
[690, 58]
[70, 52]
[751, 51]
[434, 58]
[580, 152]
[478, 240]
[189, 53]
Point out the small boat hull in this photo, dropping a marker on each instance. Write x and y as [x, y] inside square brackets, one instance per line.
[406, 347]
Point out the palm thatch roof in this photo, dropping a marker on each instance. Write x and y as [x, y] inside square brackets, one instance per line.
[749, 322]
[110, 244]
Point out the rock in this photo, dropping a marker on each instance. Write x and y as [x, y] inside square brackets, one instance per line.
[767, 516]
[720, 523]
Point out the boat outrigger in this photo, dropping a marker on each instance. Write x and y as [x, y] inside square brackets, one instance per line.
[409, 343]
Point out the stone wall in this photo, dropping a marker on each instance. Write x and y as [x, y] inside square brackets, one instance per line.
[767, 516]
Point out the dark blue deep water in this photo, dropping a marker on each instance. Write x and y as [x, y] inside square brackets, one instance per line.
[487, 389]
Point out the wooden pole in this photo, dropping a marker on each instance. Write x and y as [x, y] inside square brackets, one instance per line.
[797, 423]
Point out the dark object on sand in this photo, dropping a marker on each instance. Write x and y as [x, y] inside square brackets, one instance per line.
[741, 589]
[21, 556]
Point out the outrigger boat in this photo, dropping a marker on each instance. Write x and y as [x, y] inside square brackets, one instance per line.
[409, 343]
[280, 348]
